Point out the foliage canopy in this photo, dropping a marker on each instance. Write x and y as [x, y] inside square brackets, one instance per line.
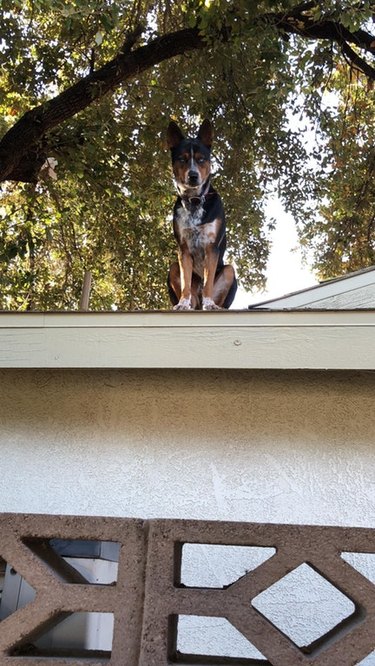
[93, 84]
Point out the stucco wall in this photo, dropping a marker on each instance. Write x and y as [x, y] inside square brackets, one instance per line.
[294, 447]
[287, 447]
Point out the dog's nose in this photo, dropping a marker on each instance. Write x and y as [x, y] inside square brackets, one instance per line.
[193, 177]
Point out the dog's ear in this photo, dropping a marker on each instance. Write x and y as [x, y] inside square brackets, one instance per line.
[174, 135]
[205, 133]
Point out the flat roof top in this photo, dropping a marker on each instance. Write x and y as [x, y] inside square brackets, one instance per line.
[298, 339]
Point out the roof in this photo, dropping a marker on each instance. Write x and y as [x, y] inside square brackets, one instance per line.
[255, 339]
[352, 291]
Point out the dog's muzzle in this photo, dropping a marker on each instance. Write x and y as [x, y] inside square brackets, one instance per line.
[193, 178]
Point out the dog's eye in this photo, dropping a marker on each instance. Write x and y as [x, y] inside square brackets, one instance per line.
[182, 160]
[201, 160]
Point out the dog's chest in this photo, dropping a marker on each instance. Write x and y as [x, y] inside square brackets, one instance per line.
[196, 234]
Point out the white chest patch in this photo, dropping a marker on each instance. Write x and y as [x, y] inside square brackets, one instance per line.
[196, 235]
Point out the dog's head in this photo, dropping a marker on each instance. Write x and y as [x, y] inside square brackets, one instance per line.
[191, 158]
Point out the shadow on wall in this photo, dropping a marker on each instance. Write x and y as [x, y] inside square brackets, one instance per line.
[200, 406]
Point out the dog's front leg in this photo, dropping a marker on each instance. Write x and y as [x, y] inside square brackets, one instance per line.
[185, 261]
[210, 265]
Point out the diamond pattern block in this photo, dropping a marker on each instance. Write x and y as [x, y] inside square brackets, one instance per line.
[301, 582]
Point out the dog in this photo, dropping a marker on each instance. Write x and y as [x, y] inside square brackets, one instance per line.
[199, 280]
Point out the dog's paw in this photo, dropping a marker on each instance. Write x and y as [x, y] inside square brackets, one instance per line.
[209, 304]
[183, 304]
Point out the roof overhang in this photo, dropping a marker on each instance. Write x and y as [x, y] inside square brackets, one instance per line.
[299, 339]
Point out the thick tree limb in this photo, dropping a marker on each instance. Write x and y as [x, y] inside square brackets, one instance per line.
[21, 152]
[354, 59]
[31, 128]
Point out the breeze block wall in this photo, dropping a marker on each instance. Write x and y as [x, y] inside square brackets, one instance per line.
[250, 446]
[147, 598]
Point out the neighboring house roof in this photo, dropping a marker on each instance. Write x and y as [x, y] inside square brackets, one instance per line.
[354, 291]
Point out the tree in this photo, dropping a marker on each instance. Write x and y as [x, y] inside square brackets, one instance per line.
[93, 84]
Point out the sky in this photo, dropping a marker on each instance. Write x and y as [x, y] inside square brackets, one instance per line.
[286, 272]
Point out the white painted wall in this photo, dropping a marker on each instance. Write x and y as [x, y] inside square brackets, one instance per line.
[292, 447]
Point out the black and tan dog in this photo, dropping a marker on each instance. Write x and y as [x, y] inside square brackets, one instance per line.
[199, 280]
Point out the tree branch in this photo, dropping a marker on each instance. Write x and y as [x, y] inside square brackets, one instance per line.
[22, 138]
[23, 142]
[299, 21]
[354, 59]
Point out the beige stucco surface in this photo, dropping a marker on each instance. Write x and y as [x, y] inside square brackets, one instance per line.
[238, 445]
